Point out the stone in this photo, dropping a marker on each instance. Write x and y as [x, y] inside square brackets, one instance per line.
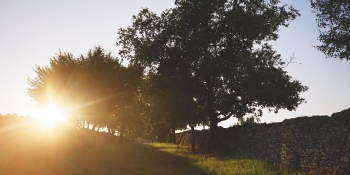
[296, 142]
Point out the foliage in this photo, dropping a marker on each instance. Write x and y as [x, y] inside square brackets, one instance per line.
[334, 27]
[221, 46]
[170, 103]
[93, 89]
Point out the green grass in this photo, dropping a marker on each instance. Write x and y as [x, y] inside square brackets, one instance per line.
[43, 151]
[222, 165]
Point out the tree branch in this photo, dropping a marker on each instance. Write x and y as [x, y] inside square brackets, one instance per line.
[226, 117]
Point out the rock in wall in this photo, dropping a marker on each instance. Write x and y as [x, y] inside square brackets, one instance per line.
[317, 144]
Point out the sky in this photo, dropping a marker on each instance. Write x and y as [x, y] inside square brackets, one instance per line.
[32, 32]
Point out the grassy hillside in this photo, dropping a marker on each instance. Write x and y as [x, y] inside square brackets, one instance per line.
[34, 149]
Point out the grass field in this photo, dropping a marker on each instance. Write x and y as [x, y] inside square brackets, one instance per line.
[46, 152]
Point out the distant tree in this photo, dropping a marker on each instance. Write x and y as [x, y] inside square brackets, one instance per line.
[217, 43]
[333, 21]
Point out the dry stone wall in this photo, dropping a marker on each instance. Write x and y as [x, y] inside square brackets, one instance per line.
[317, 144]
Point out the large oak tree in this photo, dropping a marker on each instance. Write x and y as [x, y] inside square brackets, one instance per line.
[221, 45]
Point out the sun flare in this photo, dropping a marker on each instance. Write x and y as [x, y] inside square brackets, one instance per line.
[49, 115]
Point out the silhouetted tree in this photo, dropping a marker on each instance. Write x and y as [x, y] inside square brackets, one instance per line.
[90, 87]
[99, 84]
[128, 111]
[221, 45]
[161, 96]
[333, 21]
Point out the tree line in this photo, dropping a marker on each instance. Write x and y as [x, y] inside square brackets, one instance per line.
[12, 119]
[199, 63]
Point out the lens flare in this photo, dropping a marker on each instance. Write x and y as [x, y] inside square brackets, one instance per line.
[49, 115]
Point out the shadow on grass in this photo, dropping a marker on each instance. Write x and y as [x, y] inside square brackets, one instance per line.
[152, 160]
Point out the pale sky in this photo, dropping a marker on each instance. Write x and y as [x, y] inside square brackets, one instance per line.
[32, 32]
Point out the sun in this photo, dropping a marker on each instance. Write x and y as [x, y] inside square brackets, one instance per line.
[49, 115]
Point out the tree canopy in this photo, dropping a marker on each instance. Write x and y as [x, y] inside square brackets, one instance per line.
[221, 45]
[333, 21]
[93, 89]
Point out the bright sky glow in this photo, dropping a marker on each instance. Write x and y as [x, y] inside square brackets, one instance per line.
[50, 115]
[32, 32]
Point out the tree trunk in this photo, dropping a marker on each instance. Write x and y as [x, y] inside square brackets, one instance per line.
[81, 123]
[89, 124]
[216, 145]
[108, 129]
[214, 136]
[86, 124]
[170, 137]
[162, 135]
[193, 140]
[121, 136]
[173, 135]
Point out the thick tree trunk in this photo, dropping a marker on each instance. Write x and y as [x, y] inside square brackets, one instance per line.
[216, 145]
[193, 140]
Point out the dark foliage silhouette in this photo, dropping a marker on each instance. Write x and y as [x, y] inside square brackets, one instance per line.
[215, 43]
[333, 21]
